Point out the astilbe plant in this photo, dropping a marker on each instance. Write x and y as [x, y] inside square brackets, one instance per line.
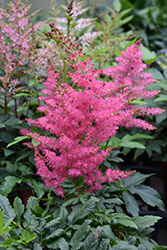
[83, 115]
[18, 53]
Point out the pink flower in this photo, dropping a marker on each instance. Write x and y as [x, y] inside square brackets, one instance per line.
[82, 118]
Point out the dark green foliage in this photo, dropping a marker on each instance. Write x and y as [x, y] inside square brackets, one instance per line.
[83, 227]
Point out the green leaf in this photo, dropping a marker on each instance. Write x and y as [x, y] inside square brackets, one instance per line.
[70, 201]
[83, 210]
[113, 200]
[18, 209]
[29, 236]
[155, 74]
[2, 125]
[148, 56]
[123, 219]
[104, 244]
[131, 204]
[160, 248]
[91, 242]
[31, 205]
[54, 222]
[1, 221]
[37, 247]
[6, 207]
[6, 227]
[148, 195]
[9, 183]
[9, 242]
[165, 72]
[35, 143]
[161, 117]
[60, 243]
[130, 144]
[18, 139]
[136, 136]
[8, 152]
[125, 20]
[124, 246]
[13, 121]
[138, 152]
[38, 187]
[146, 221]
[107, 232]
[145, 241]
[57, 233]
[80, 181]
[161, 98]
[117, 5]
[79, 235]
[134, 180]
[24, 155]
[7, 137]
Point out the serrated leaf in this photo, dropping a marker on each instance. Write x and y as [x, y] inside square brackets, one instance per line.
[9, 183]
[107, 232]
[79, 235]
[146, 221]
[103, 244]
[134, 180]
[148, 195]
[18, 208]
[124, 220]
[57, 233]
[70, 201]
[54, 222]
[131, 204]
[113, 200]
[83, 210]
[91, 241]
[6, 208]
[38, 188]
[145, 241]
[60, 243]
[28, 216]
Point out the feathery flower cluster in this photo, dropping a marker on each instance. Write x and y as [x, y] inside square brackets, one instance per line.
[82, 116]
[81, 22]
[18, 44]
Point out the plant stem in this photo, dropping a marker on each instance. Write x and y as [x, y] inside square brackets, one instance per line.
[64, 64]
[15, 103]
[48, 204]
[6, 102]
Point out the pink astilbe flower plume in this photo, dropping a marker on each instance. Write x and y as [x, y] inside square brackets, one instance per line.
[83, 115]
